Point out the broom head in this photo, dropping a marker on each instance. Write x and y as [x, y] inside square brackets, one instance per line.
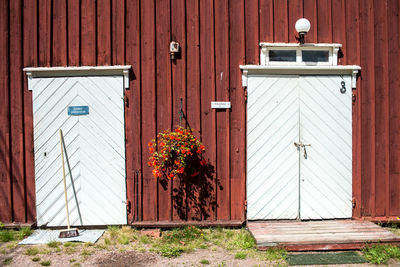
[72, 232]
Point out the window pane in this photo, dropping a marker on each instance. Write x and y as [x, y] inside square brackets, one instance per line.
[282, 55]
[315, 56]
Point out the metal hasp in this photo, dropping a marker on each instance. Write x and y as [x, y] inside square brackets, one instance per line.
[301, 145]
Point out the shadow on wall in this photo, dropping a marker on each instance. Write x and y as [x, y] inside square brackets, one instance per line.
[194, 192]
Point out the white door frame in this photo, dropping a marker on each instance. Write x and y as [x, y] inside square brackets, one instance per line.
[122, 72]
[248, 70]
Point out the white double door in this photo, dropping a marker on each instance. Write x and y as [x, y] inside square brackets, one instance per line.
[95, 147]
[299, 147]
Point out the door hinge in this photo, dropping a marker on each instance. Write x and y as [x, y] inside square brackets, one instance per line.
[354, 202]
[245, 205]
[128, 206]
[245, 94]
[126, 100]
[353, 98]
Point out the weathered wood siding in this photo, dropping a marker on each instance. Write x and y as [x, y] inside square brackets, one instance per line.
[216, 36]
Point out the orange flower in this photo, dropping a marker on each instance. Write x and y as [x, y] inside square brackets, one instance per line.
[151, 150]
[171, 175]
[180, 170]
[150, 144]
[203, 162]
[149, 163]
[156, 173]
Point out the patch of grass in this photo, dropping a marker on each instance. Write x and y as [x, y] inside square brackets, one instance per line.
[86, 252]
[274, 254]
[72, 260]
[45, 263]
[53, 244]
[44, 251]
[107, 241]
[70, 244]
[7, 261]
[36, 259]
[145, 239]
[24, 232]
[70, 250]
[123, 240]
[7, 235]
[170, 252]
[3, 250]
[203, 246]
[241, 255]
[33, 251]
[380, 254]
[88, 244]
[76, 264]
[113, 231]
[241, 240]
[204, 261]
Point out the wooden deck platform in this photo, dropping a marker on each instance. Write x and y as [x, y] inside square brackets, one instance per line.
[319, 235]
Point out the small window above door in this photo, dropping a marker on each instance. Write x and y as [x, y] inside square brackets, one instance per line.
[299, 54]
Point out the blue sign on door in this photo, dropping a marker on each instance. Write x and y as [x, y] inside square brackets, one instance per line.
[78, 110]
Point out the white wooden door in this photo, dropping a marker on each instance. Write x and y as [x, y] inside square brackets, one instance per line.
[326, 124]
[309, 182]
[95, 145]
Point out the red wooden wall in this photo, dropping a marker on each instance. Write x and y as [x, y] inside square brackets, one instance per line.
[216, 36]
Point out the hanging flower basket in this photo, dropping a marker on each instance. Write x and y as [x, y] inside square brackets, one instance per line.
[176, 149]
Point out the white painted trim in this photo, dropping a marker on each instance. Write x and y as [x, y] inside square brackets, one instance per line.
[298, 69]
[32, 72]
[333, 50]
[264, 44]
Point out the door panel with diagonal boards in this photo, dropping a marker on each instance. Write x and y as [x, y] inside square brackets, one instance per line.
[272, 161]
[299, 147]
[326, 124]
[95, 146]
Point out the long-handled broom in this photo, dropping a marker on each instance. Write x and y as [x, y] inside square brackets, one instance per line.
[69, 232]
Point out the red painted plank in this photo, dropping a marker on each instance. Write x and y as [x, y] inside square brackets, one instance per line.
[5, 178]
[179, 92]
[351, 51]
[133, 110]
[222, 94]
[164, 96]
[149, 119]
[59, 33]
[73, 32]
[193, 99]
[310, 13]
[324, 21]
[295, 9]
[367, 97]
[381, 108]
[103, 32]
[30, 59]
[238, 118]
[208, 116]
[339, 26]
[266, 20]
[280, 21]
[88, 33]
[45, 17]
[118, 32]
[252, 38]
[394, 110]
[16, 113]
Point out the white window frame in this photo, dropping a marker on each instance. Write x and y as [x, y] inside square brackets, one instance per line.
[333, 50]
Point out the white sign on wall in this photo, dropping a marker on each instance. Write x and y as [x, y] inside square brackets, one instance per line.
[220, 104]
